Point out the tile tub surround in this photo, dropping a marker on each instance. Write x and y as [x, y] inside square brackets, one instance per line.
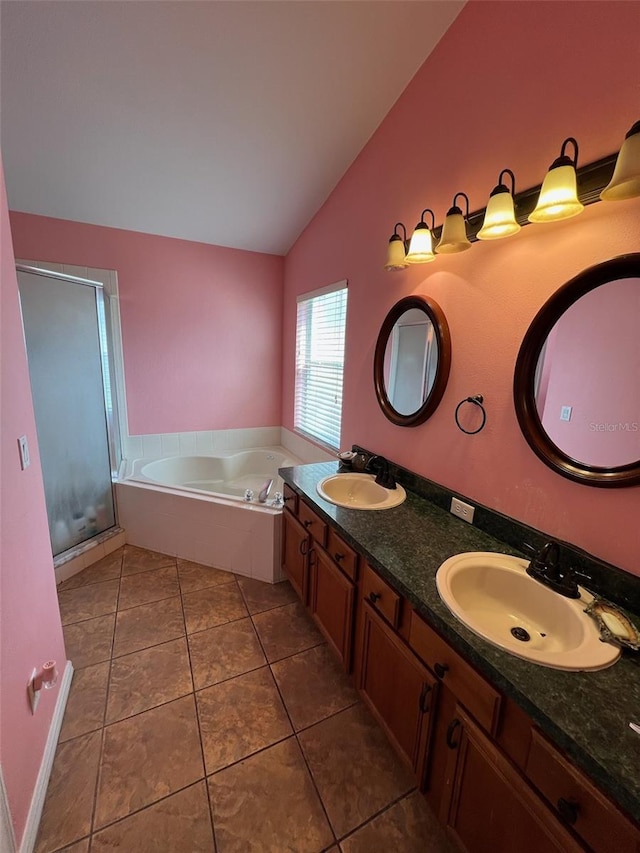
[245, 729]
[229, 535]
[586, 714]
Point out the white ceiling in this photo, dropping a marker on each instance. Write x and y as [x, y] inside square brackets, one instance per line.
[223, 122]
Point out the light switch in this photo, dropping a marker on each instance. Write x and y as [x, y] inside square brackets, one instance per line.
[25, 459]
[565, 413]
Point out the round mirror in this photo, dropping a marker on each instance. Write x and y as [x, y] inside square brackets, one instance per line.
[412, 360]
[577, 377]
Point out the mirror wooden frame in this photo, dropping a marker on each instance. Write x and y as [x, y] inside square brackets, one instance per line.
[443, 338]
[624, 266]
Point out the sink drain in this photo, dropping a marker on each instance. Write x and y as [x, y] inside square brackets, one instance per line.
[521, 634]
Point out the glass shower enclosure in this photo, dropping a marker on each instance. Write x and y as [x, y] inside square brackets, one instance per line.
[67, 333]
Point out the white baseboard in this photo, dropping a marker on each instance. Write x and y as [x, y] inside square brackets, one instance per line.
[7, 839]
[40, 790]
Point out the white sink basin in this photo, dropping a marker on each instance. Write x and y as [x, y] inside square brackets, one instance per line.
[359, 491]
[494, 596]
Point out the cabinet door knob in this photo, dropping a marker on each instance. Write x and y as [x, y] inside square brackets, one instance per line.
[304, 547]
[307, 523]
[441, 669]
[338, 557]
[374, 596]
[568, 810]
[453, 725]
[424, 695]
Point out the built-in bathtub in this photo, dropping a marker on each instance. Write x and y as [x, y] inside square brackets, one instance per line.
[193, 507]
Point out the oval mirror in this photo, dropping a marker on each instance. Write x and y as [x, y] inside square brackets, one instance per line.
[577, 377]
[412, 360]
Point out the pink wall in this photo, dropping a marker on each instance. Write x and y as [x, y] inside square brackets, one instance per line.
[507, 83]
[201, 324]
[30, 630]
[596, 346]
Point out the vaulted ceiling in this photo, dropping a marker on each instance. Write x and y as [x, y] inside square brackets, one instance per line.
[222, 122]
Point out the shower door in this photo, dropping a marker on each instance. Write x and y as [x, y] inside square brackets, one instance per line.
[65, 327]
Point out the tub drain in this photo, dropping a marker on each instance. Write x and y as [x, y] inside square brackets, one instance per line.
[521, 634]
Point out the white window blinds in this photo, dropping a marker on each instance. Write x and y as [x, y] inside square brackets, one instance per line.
[320, 363]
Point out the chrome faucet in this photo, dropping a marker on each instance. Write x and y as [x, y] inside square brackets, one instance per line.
[264, 491]
[380, 466]
[545, 568]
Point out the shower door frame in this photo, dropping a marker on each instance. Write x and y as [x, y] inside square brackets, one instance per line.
[108, 371]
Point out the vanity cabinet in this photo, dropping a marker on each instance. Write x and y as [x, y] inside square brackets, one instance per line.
[399, 690]
[324, 578]
[486, 804]
[493, 779]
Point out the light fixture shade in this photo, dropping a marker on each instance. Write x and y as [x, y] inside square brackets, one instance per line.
[396, 259]
[500, 216]
[625, 182]
[454, 234]
[558, 197]
[421, 245]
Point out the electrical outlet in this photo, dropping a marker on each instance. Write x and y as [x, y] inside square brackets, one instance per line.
[462, 510]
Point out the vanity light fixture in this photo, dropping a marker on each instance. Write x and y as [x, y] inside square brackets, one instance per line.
[559, 194]
[500, 216]
[421, 246]
[454, 231]
[625, 182]
[396, 250]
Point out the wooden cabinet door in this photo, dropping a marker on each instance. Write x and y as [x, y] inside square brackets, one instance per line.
[295, 548]
[331, 600]
[399, 689]
[487, 805]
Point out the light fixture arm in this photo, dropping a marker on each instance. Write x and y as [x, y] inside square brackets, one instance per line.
[502, 187]
[466, 198]
[433, 218]
[566, 160]
[395, 232]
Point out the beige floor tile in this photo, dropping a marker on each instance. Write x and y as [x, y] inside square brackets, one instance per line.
[213, 606]
[354, 767]
[140, 560]
[286, 631]
[194, 576]
[147, 678]
[147, 757]
[79, 847]
[66, 816]
[89, 642]
[178, 824]
[239, 717]
[267, 804]
[146, 587]
[313, 686]
[106, 569]
[260, 596]
[148, 625]
[87, 602]
[224, 652]
[408, 826]
[86, 703]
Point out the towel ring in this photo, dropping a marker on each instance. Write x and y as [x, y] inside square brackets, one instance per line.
[477, 400]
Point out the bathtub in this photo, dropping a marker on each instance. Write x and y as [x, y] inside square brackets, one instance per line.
[193, 507]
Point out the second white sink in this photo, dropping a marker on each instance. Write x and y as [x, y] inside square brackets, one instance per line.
[494, 596]
[359, 491]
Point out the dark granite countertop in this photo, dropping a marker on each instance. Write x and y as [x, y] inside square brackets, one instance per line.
[587, 714]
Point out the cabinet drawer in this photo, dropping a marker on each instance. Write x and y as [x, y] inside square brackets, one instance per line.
[343, 555]
[381, 596]
[290, 499]
[471, 690]
[313, 523]
[577, 801]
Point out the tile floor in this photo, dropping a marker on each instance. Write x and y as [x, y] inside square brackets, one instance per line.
[207, 714]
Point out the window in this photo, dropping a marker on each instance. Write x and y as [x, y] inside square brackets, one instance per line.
[320, 363]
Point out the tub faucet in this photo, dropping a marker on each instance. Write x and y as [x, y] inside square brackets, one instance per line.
[380, 467]
[545, 568]
[264, 491]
